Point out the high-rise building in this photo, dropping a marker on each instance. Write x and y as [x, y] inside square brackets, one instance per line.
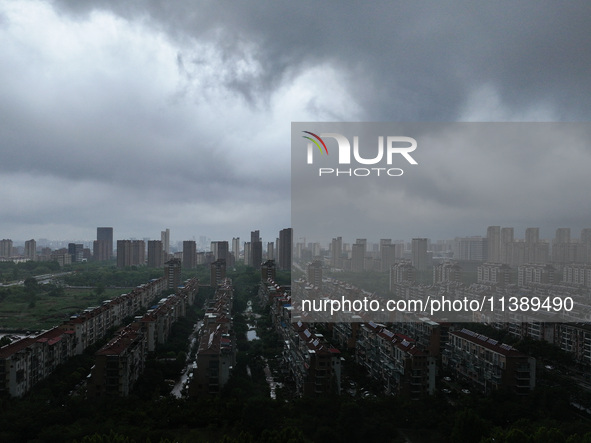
[123, 253]
[563, 251]
[103, 247]
[256, 250]
[138, 252]
[387, 256]
[532, 238]
[255, 236]
[336, 250]
[362, 241]
[236, 247]
[285, 248]
[155, 254]
[507, 237]
[470, 248]
[358, 257]
[165, 239]
[220, 250]
[247, 254]
[6, 248]
[189, 254]
[314, 273]
[172, 273]
[532, 250]
[270, 250]
[419, 253]
[31, 250]
[75, 250]
[532, 235]
[217, 272]
[493, 239]
[130, 253]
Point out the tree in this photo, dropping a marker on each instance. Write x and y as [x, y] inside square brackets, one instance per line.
[468, 427]
[31, 285]
[99, 290]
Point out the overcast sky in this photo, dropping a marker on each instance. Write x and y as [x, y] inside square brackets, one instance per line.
[146, 115]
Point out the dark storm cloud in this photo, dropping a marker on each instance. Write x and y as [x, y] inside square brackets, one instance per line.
[187, 105]
[403, 61]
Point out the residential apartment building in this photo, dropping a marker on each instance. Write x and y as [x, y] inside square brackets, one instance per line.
[120, 363]
[217, 272]
[189, 254]
[535, 274]
[494, 274]
[395, 361]
[487, 364]
[5, 248]
[216, 355]
[31, 250]
[26, 362]
[309, 359]
[172, 273]
[103, 246]
[155, 254]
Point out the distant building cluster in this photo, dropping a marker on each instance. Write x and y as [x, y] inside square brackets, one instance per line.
[155, 253]
[498, 246]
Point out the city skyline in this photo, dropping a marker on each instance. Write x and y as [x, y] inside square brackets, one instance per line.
[548, 235]
[142, 118]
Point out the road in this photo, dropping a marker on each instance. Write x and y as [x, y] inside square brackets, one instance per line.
[177, 390]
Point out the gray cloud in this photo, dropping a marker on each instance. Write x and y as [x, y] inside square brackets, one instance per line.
[187, 105]
[469, 176]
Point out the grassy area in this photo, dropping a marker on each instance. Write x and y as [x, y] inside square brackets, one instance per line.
[17, 312]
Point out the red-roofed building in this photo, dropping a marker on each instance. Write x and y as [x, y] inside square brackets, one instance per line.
[27, 361]
[119, 364]
[216, 355]
[394, 360]
[487, 364]
[311, 361]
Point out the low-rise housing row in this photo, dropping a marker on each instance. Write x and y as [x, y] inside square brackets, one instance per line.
[311, 361]
[395, 361]
[27, 361]
[404, 355]
[216, 355]
[487, 364]
[120, 363]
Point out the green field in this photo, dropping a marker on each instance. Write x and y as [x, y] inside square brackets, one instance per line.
[18, 313]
